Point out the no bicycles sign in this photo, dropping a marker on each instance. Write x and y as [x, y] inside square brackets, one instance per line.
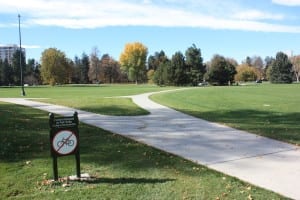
[64, 140]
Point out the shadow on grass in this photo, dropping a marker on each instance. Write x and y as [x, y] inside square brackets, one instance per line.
[128, 180]
[26, 137]
[280, 126]
[115, 110]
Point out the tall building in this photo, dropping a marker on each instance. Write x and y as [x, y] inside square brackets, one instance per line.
[7, 52]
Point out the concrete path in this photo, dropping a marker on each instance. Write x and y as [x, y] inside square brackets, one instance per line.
[258, 160]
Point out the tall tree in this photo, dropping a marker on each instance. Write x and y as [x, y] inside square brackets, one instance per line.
[161, 76]
[76, 70]
[221, 71]
[32, 72]
[6, 73]
[194, 63]
[296, 66]
[16, 66]
[268, 64]
[133, 61]
[94, 70]
[55, 68]
[258, 63]
[84, 69]
[248, 61]
[281, 71]
[110, 68]
[178, 69]
[155, 60]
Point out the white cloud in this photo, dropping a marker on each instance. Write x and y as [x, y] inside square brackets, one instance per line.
[94, 14]
[31, 46]
[257, 15]
[287, 2]
[24, 46]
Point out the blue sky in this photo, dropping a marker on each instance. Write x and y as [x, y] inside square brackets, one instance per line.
[232, 28]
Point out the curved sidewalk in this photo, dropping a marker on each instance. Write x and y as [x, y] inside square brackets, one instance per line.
[258, 160]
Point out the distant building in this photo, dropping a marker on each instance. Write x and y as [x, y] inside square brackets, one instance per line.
[7, 52]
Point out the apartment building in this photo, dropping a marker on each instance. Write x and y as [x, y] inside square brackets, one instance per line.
[7, 52]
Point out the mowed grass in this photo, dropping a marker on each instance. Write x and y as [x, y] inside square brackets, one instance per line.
[102, 99]
[122, 168]
[265, 109]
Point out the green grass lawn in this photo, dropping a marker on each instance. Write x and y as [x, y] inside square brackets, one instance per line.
[123, 169]
[265, 109]
[94, 98]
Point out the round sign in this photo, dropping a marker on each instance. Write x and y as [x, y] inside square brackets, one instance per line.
[64, 142]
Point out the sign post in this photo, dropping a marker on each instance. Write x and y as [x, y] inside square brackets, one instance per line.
[64, 140]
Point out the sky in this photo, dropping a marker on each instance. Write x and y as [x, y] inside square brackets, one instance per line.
[232, 28]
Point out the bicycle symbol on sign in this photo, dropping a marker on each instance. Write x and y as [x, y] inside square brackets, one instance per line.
[66, 141]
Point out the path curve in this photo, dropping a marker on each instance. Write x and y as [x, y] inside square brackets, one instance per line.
[264, 162]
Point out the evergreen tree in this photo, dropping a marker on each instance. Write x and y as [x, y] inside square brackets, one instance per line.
[281, 70]
[194, 63]
[178, 70]
[84, 69]
[6, 73]
[16, 67]
[161, 74]
[221, 71]
[155, 60]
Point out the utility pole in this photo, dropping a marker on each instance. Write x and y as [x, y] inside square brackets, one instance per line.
[21, 68]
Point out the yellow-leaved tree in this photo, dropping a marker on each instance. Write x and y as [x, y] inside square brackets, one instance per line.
[246, 73]
[133, 61]
[55, 67]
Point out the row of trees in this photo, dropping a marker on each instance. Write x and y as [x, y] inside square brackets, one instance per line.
[10, 73]
[181, 69]
[58, 69]
[281, 69]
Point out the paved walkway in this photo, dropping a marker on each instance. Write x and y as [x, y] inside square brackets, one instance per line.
[261, 161]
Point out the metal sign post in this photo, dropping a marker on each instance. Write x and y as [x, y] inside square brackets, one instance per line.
[64, 140]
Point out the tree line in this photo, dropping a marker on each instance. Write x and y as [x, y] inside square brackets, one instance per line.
[10, 72]
[134, 65]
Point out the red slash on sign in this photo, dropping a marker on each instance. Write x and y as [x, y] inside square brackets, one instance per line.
[64, 142]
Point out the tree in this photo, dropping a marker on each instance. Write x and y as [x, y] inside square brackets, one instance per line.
[268, 63]
[16, 66]
[177, 71]
[161, 76]
[246, 73]
[55, 68]
[76, 70]
[281, 71]
[84, 69]
[150, 76]
[258, 63]
[32, 73]
[155, 60]
[248, 61]
[296, 66]
[158, 62]
[133, 61]
[110, 69]
[194, 63]
[6, 73]
[221, 71]
[94, 69]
